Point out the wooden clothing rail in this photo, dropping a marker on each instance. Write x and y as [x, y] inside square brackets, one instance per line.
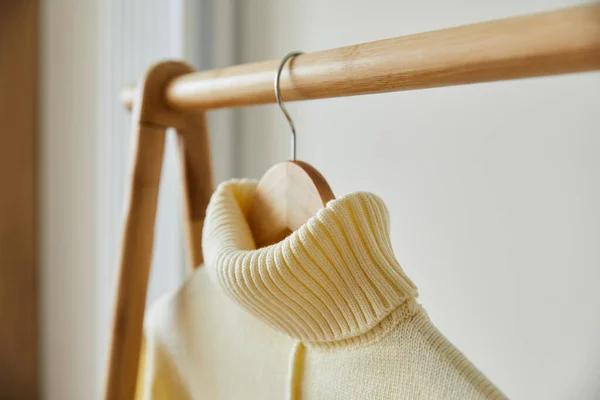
[172, 95]
[549, 43]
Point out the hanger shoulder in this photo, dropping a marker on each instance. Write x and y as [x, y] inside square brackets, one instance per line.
[287, 196]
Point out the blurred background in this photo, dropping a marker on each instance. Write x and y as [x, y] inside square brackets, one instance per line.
[493, 189]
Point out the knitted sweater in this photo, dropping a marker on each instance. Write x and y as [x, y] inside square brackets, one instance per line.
[327, 313]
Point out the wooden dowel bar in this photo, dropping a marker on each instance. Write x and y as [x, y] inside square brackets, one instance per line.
[549, 43]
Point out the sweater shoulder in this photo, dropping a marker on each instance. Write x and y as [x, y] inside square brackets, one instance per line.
[170, 312]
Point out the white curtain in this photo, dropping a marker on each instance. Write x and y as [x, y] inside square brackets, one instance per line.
[136, 35]
[139, 34]
[90, 50]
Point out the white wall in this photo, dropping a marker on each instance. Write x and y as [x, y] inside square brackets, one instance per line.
[493, 189]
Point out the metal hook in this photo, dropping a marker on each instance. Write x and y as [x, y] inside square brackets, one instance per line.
[280, 101]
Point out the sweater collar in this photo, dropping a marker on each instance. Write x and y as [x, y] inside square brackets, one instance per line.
[332, 282]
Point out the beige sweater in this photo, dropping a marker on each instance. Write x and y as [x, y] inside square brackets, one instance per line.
[327, 313]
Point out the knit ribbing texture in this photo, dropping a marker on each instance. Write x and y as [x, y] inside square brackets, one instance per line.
[333, 282]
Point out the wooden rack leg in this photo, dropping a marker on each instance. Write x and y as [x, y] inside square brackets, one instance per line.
[136, 256]
[151, 119]
[198, 182]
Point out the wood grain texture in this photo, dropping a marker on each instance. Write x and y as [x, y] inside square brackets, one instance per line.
[550, 43]
[287, 196]
[18, 251]
[151, 118]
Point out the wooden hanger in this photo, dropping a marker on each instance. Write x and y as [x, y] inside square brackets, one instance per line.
[289, 193]
[151, 119]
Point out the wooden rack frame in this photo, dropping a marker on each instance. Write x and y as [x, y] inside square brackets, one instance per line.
[171, 95]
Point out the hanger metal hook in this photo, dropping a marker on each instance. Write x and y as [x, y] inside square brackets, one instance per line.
[280, 101]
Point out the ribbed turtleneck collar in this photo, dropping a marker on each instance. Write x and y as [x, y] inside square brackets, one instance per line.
[335, 281]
